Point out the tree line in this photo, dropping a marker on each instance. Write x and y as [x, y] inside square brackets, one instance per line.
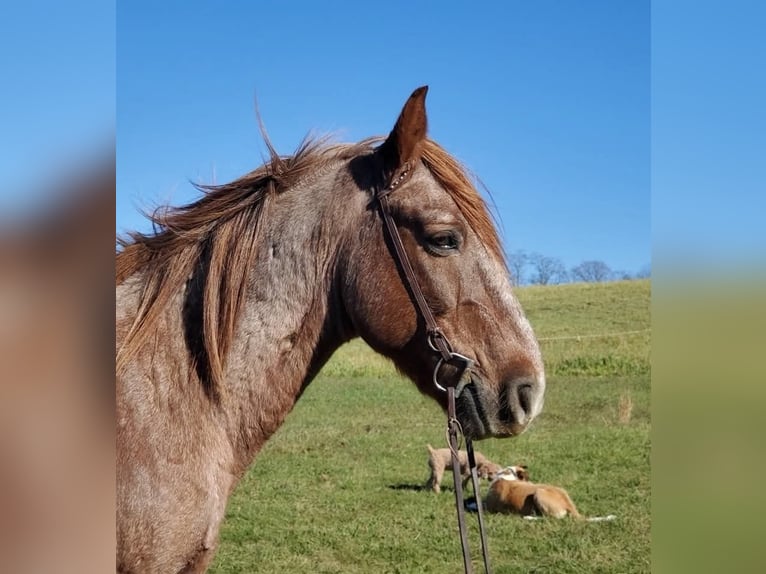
[538, 269]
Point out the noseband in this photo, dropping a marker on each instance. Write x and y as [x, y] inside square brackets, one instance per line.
[438, 342]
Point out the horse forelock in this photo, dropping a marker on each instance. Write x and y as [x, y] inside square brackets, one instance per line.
[220, 230]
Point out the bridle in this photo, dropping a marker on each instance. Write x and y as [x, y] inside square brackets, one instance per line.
[438, 342]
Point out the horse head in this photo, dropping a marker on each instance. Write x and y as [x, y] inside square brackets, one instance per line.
[458, 263]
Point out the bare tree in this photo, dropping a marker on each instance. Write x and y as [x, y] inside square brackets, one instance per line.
[517, 262]
[547, 269]
[592, 272]
[645, 272]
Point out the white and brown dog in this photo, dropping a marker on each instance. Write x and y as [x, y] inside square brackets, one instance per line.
[440, 459]
[511, 492]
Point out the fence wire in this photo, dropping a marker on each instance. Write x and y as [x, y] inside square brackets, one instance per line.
[593, 336]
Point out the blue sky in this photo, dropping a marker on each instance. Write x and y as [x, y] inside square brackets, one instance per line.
[57, 61]
[709, 134]
[547, 102]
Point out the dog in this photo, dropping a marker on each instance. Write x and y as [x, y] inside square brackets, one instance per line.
[511, 492]
[440, 459]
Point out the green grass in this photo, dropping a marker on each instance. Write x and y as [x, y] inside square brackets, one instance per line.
[592, 328]
[338, 488]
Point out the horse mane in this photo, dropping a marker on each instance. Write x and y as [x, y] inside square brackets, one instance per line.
[221, 229]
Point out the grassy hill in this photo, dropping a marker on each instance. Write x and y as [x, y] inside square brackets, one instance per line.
[339, 487]
[583, 328]
[592, 328]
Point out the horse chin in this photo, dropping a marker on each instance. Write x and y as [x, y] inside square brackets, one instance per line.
[509, 431]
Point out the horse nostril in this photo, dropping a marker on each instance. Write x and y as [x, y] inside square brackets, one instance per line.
[525, 398]
[520, 400]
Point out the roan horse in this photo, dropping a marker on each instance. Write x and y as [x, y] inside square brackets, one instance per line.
[229, 309]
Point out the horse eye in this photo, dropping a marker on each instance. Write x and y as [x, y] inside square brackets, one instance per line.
[444, 241]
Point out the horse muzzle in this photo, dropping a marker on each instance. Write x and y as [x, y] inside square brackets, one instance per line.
[484, 412]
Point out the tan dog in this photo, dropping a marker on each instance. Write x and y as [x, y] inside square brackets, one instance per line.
[512, 493]
[440, 459]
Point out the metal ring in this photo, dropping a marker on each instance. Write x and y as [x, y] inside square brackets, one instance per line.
[439, 363]
[468, 364]
[434, 334]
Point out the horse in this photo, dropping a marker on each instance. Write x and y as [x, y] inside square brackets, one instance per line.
[232, 304]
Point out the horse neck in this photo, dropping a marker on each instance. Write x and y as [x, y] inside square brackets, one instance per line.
[292, 320]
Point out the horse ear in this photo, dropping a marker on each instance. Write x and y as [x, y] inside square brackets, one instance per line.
[404, 141]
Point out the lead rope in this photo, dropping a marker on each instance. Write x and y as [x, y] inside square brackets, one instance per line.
[452, 430]
[479, 504]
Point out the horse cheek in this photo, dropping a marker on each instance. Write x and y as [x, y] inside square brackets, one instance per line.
[379, 307]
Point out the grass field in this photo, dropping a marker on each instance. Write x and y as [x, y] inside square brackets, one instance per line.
[339, 487]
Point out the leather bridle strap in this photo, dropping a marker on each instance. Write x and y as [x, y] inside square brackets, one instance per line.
[479, 505]
[452, 431]
[453, 427]
[440, 344]
[436, 339]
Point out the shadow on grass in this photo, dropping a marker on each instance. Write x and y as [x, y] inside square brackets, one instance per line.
[408, 486]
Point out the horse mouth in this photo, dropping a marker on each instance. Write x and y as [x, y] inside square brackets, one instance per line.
[478, 418]
[472, 412]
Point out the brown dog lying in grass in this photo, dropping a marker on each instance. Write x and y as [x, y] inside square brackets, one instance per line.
[511, 492]
[440, 459]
